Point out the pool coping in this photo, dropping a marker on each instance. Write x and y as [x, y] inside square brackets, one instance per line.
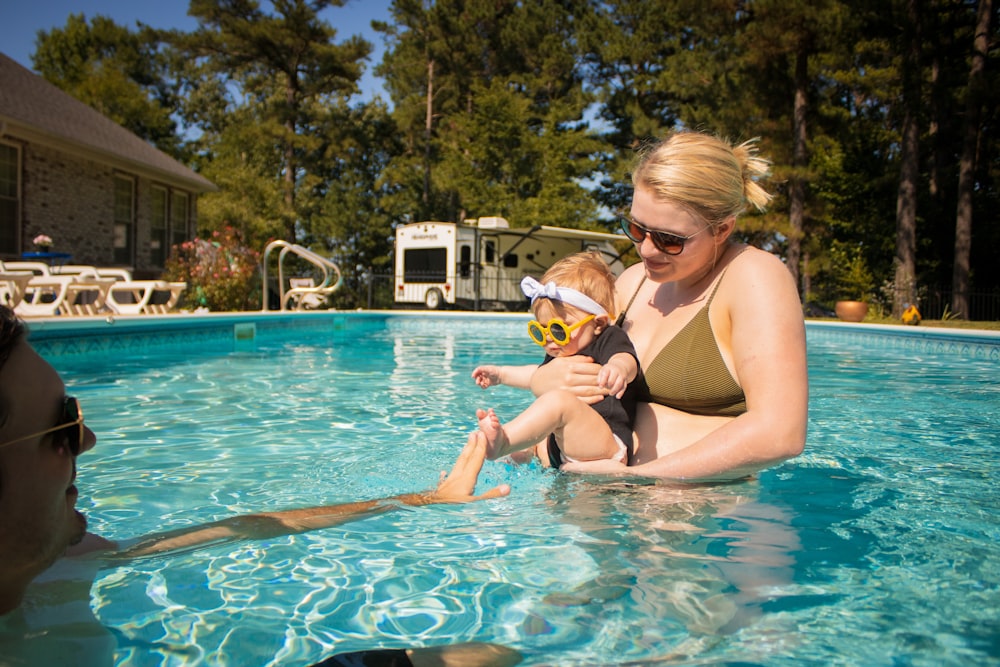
[118, 333]
[53, 327]
[902, 329]
[969, 343]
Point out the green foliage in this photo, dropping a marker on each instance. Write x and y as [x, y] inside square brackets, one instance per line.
[854, 280]
[507, 135]
[265, 83]
[122, 74]
[535, 111]
[222, 274]
[243, 165]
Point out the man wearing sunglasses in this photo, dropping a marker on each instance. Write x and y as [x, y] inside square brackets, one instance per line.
[42, 431]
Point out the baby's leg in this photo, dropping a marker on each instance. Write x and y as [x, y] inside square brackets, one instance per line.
[497, 444]
[577, 426]
[524, 456]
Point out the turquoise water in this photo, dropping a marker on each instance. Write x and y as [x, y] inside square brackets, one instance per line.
[879, 546]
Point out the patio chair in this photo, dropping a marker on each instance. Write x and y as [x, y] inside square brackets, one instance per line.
[141, 297]
[13, 285]
[165, 297]
[303, 294]
[49, 296]
[35, 268]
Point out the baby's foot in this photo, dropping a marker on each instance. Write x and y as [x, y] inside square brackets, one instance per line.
[490, 425]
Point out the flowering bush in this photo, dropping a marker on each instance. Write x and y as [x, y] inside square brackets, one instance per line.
[42, 241]
[221, 273]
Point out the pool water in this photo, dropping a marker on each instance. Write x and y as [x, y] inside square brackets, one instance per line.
[879, 546]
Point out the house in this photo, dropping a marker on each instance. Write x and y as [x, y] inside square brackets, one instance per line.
[103, 195]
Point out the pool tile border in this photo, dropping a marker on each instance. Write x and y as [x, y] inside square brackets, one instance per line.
[964, 343]
[226, 332]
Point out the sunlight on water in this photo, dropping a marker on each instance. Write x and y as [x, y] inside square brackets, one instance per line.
[878, 546]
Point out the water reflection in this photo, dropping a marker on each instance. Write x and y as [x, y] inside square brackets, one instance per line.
[702, 560]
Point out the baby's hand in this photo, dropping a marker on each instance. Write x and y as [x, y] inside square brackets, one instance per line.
[487, 376]
[611, 377]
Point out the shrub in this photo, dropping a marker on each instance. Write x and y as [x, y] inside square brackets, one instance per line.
[854, 280]
[222, 273]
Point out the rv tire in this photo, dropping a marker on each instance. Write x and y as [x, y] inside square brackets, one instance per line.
[433, 299]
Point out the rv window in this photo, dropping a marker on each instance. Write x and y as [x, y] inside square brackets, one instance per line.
[491, 252]
[425, 265]
[510, 260]
[465, 262]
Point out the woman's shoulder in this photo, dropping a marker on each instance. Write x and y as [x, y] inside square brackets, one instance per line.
[758, 279]
[751, 263]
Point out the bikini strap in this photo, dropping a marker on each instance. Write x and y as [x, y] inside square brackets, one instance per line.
[621, 316]
[721, 276]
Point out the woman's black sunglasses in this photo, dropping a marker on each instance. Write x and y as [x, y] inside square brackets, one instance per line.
[668, 244]
[70, 428]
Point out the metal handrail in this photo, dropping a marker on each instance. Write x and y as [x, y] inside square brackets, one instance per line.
[323, 263]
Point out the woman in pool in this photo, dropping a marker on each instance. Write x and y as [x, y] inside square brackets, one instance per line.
[717, 324]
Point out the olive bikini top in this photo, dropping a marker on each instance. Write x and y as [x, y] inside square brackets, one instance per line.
[689, 373]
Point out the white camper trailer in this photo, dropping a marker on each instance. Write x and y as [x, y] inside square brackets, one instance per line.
[479, 264]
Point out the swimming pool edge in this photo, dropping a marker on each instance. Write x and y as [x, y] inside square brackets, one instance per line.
[229, 331]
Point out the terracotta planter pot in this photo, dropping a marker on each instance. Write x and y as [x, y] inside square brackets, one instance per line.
[851, 311]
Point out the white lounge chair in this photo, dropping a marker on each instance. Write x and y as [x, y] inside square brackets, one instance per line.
[166, 297]
[47, 296]
[13, 286]
[36, 268]
[141, 297]
[78, 291]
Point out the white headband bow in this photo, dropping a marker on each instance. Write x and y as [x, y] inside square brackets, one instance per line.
[536, 290]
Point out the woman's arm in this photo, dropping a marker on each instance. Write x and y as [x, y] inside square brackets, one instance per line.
[759, 320]
[458, 487]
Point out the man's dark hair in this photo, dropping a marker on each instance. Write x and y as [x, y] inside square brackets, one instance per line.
[11, 332]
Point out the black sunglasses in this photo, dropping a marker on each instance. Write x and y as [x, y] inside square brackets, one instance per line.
[70, 428]
[665, 242]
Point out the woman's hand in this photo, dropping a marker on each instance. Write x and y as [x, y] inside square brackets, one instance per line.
[576, 374]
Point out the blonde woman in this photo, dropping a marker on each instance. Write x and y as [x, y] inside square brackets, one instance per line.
[717, 325]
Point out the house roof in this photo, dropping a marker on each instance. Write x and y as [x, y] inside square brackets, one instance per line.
[33, 109]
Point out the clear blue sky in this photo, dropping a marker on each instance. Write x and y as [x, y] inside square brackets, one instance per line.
[20, 21]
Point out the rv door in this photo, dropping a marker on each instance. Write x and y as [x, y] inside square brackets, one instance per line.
[488, 256]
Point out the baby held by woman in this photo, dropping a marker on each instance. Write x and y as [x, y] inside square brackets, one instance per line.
[573, 306]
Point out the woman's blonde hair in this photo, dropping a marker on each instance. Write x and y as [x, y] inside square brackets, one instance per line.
[704, 174]
[585, 272]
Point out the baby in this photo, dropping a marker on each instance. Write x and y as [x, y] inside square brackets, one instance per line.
[572, 306]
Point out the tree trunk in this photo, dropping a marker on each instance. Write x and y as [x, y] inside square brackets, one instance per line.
[290, 100]
[906, 196]
[806, 278]
[967, 164]
[428, 128]
[800, 162]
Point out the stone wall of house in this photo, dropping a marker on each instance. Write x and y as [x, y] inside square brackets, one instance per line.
[71, 199]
